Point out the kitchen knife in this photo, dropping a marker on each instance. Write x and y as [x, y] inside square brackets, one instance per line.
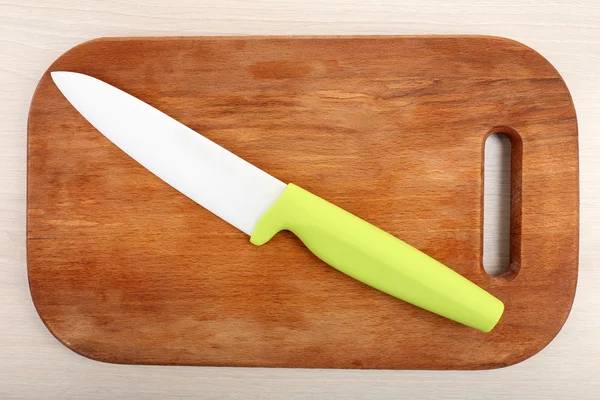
[260, 205]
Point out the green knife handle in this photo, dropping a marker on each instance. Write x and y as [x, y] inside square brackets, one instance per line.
[365, 252]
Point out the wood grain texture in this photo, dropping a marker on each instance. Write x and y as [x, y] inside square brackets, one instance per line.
[124, 269]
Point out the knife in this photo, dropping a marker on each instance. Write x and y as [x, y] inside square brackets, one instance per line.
[260, 205]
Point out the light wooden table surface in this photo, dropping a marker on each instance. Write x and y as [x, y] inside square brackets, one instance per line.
[33, 365]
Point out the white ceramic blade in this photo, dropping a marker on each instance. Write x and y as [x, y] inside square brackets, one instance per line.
[212, 176]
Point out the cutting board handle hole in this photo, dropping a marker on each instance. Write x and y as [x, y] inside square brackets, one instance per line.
[501, 202]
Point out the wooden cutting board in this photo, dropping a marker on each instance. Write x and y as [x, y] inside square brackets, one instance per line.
[125, 269]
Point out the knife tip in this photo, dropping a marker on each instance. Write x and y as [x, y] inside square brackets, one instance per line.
[58, 75]
[61, 76]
